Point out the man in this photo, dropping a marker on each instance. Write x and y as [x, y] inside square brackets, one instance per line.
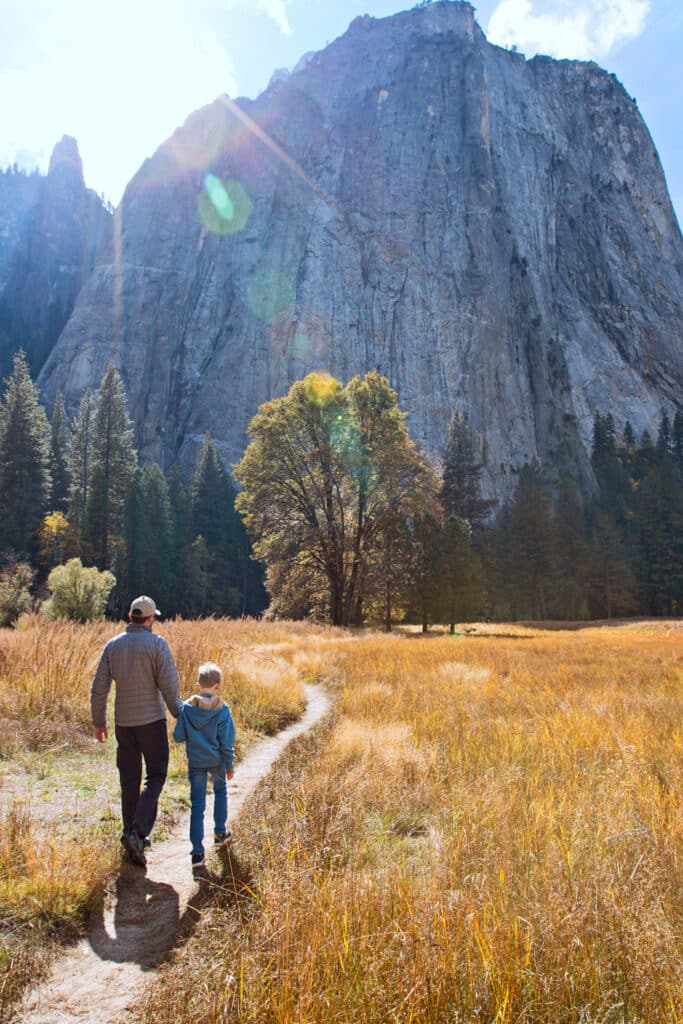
[146, 679]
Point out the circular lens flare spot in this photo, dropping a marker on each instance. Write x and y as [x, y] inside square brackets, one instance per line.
[271, 296]
[299, 346]
[224, 206]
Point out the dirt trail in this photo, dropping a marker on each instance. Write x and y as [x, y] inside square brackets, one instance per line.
[100, 980]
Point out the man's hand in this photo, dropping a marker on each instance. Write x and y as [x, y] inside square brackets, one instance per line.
[101, 733]
[231, 775]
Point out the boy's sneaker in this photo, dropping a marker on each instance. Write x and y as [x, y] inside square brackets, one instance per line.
[135, 848]
[222, 837]
[197, 860]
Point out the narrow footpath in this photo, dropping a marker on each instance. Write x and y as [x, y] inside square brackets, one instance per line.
[101, 980]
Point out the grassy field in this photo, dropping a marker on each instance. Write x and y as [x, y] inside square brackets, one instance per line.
[59, 805]
[488, 831]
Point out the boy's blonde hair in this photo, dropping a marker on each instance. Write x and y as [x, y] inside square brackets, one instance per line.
[208, 675]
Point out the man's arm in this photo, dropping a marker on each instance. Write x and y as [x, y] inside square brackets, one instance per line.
[179, 732]
[99, 692]
[167, 680]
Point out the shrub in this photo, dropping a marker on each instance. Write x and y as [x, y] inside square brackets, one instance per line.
[16, 579]
[78, 593]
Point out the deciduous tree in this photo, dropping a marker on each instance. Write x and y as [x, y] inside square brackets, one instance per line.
[325, 467]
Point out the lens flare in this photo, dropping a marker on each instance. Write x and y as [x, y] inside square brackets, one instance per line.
[322, 388]
[224, 206]
[271, 296]
[299, 346]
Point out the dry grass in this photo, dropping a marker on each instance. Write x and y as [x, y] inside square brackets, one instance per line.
[490, 831]
[59, 790]
[46, 669]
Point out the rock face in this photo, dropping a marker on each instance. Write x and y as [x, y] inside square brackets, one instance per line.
[50, 228]
[493, 234]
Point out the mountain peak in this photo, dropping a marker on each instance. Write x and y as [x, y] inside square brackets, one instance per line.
[66, 152]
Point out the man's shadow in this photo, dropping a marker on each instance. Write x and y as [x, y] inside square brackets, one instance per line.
[145, 921]
[146, 924]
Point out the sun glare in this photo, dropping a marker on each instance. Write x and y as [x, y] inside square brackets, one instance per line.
[119, 78]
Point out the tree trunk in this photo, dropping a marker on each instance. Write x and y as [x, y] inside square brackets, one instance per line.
[387, 610]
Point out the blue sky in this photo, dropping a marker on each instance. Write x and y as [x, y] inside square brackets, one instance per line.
[120, 76]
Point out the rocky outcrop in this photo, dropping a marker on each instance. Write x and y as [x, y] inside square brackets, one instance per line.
[50, 226]
[494, 234]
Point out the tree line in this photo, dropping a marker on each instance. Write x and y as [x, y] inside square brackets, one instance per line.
[356, 525]
[350, 522]
[76, 490]
[558, 552]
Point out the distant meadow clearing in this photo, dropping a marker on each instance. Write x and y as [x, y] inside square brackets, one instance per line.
[487, 829]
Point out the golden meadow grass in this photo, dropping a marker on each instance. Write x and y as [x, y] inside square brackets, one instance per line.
[490, 830]
[59, 827]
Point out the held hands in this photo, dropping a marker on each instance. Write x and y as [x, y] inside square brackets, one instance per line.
[101, 733]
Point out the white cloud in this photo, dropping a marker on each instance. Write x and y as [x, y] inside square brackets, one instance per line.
[565, 28]
[277, 10]
[119, 77]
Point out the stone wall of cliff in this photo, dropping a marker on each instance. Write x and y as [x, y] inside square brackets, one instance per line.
[494, 234]
[50, 228]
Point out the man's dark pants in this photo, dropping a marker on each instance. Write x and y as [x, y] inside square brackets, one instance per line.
[135, 742]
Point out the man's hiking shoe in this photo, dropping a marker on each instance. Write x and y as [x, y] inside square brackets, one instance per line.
[197, 860]
[135, 847]
[222, 837]
[146, 842]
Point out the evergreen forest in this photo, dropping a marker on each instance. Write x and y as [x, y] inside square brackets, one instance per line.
[349, 521]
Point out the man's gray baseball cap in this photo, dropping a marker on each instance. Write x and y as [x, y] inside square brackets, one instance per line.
[142, 607]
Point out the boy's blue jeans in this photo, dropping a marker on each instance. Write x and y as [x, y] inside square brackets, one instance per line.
[198, 777]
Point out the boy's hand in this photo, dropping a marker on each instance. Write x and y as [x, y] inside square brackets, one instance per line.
[230, 775]
[101, 733]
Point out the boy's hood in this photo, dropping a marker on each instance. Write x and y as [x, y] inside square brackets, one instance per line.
[202, 708]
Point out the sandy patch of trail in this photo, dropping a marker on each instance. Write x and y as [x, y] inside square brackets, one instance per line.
[102, 979]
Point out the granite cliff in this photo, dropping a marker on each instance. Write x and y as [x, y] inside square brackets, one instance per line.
[50, 227]
[494, 234]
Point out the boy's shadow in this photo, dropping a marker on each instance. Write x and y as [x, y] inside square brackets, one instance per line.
[231, 883]
[145, 924]
[142, 928]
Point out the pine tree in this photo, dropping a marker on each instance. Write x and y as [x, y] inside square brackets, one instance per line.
[59, 454]
[25, 482]
[112, 472]
[461, 484]
[80, 466]
[610, 579]
[214, 519]
[677, 440]
[460, 574]
[570, 553]
[150, 541]
[664, 445]
[181, 540]
[530, 536]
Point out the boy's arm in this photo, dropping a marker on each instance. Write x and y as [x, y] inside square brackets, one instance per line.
[226, 740]
[99, 692]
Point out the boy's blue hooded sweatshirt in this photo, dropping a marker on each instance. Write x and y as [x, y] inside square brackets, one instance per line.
[206, 726]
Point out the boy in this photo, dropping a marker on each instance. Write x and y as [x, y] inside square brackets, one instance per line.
[205, 725]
